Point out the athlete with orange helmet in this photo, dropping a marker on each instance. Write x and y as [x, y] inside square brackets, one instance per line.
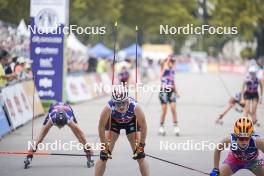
[244, 151]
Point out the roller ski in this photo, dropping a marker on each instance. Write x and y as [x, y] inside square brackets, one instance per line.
[176, 130]
[90, 162]
[162, 131]
[27, 161]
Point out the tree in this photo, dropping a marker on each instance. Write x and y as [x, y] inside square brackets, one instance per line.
[246, 15]
[13, 11]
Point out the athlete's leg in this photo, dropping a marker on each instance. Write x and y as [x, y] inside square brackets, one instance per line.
[173, 111]
[246, 112]
[230, 105]
[100, 164]
[225, 170]
[163, 113]
[143, 165]
[254, 110]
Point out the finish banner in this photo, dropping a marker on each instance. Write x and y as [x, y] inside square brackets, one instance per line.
[47, 21]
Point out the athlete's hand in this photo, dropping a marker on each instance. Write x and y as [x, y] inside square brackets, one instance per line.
[260, 100]
[88, 150]
[105, 154]
[139, 151]
[242, 101]
[215, 172]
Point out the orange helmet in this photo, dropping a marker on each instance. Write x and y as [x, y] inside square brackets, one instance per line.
[244, 127]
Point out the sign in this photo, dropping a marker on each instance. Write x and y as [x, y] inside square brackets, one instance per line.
[17, 105]
[47, 21]
[4, 126]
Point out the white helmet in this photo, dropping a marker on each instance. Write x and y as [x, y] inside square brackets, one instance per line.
[119, 93]
[253, 69]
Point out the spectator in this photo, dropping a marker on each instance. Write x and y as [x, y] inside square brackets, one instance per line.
[20, 68]
[4, 56]
[8, 68]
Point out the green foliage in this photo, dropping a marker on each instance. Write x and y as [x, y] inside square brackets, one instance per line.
[247, 15]
[12, 11]
[247, 53]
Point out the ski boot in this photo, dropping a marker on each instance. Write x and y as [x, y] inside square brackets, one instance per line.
[27, 161]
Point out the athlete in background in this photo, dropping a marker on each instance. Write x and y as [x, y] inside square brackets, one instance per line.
[250, 94]
[236, 100]
[123, 75]
[168, 94]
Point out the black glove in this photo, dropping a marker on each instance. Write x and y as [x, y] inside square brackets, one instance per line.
[139, 151]
[106, 153]
[88, 151]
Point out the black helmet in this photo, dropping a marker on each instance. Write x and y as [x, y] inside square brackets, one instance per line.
[61, 118]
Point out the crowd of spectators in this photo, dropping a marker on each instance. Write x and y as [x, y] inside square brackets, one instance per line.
[13, 69]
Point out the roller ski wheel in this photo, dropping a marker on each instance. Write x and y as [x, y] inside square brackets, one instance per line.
[162, 132]
[90, 162]
[176, 131]
[177, 134]
[26, 163]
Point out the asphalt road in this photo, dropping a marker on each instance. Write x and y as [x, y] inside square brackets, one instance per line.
[203, 97]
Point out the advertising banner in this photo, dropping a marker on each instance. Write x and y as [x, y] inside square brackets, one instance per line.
[47, 21]
[4, 126]
[77, 90]
[28, 86]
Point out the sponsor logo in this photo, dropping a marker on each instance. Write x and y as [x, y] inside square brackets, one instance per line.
[48, 93]
[46, 50]
[47, 20]
[46, 72]
[46, 62]
[45, 82]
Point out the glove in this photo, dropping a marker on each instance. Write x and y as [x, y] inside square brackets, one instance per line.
[139, 151]
[215, 172]
[88, 151]
[106, 153]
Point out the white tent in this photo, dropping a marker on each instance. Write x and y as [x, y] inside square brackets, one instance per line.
[74, 44]
[22, 29]
[156, 51]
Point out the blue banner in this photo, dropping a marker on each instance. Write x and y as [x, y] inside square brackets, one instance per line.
[4, 126]
[47, 21]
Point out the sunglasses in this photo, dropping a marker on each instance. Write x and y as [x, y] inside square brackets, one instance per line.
[242, 139]
[121, 103]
